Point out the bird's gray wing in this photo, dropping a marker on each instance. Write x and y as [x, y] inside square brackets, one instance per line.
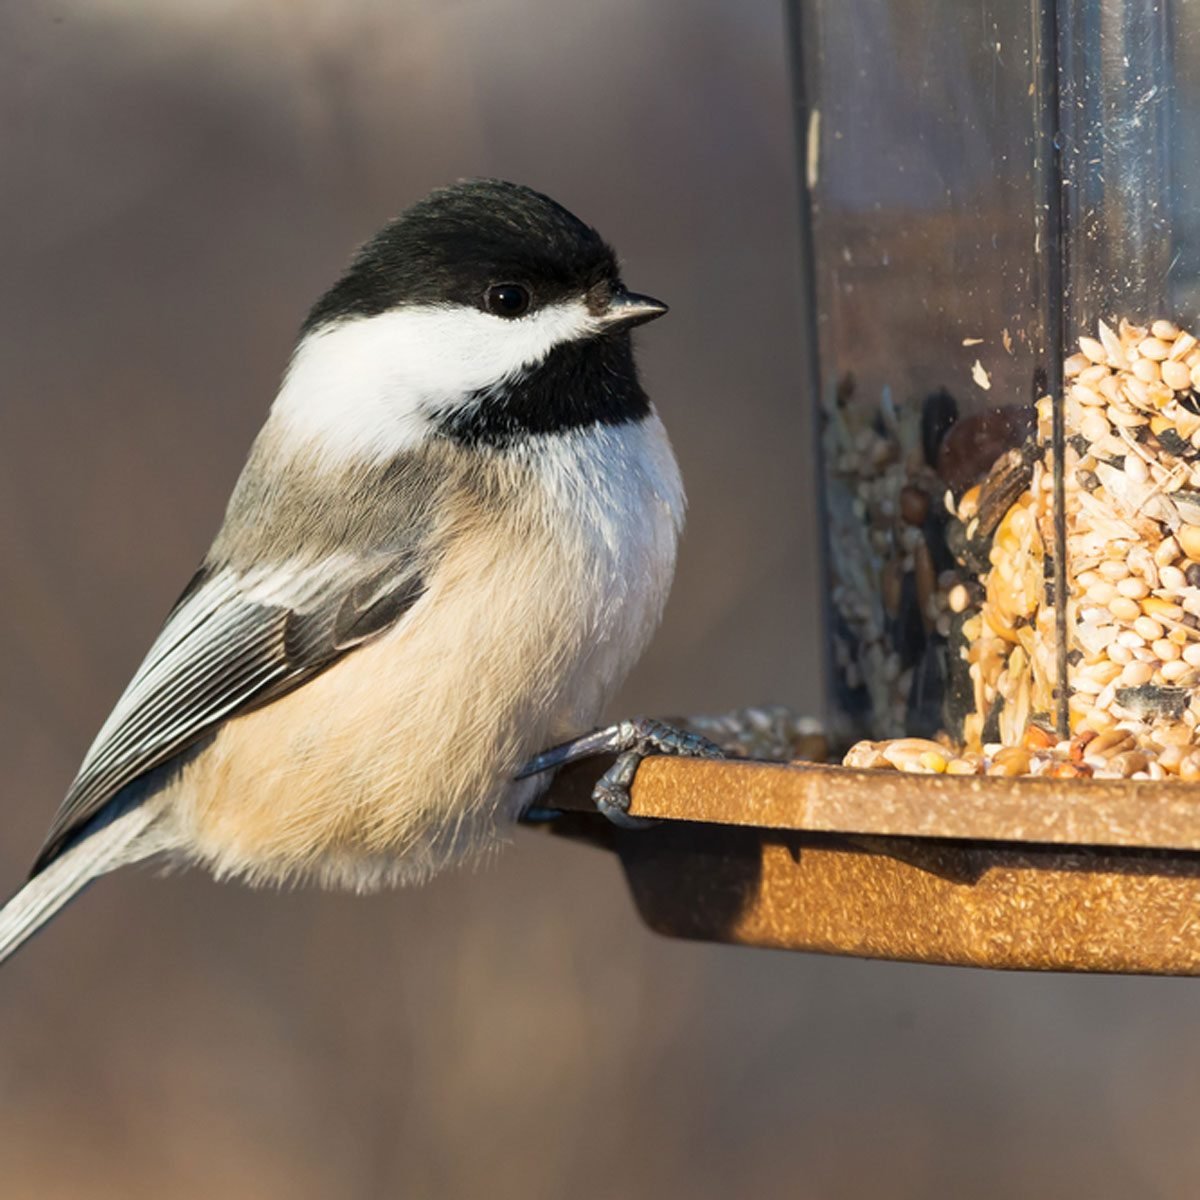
[233, 642]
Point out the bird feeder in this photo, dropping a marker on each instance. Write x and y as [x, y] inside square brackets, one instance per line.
[1002, 254]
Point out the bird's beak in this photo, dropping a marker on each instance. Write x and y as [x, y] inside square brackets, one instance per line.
[627, 309]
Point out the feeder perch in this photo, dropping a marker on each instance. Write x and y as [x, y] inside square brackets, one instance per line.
[1015, 873]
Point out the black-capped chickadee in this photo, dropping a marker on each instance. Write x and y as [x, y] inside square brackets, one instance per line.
[452, 539]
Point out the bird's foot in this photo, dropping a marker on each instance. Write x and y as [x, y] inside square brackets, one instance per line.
[632, 741]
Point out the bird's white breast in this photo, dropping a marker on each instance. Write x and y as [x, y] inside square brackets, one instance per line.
[619, 486]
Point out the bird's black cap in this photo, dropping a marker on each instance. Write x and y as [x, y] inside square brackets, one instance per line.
[459, 241]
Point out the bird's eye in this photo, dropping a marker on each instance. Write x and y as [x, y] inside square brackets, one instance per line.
[507, 300]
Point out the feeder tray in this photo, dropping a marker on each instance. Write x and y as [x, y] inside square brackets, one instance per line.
[1012, 873]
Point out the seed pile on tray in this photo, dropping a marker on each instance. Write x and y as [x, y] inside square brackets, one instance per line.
[770, 732]
[1131, 408]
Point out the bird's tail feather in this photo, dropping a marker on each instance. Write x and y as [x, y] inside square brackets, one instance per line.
[102, 849]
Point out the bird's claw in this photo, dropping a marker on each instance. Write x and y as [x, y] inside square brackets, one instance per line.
[632, 740]
[643, 737]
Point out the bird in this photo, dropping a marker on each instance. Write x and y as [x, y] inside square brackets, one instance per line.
[452, 538]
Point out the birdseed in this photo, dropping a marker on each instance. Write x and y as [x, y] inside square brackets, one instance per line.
[892, 573]
[1131, 473]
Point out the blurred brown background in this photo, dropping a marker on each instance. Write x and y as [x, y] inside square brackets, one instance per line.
[180, 179]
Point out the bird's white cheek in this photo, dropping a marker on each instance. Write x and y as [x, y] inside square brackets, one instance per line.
[449, 351]
[369, 387]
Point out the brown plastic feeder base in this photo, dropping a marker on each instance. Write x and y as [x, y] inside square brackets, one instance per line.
[1029, 874]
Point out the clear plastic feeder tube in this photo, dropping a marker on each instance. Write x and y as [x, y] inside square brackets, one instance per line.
[986, 185]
